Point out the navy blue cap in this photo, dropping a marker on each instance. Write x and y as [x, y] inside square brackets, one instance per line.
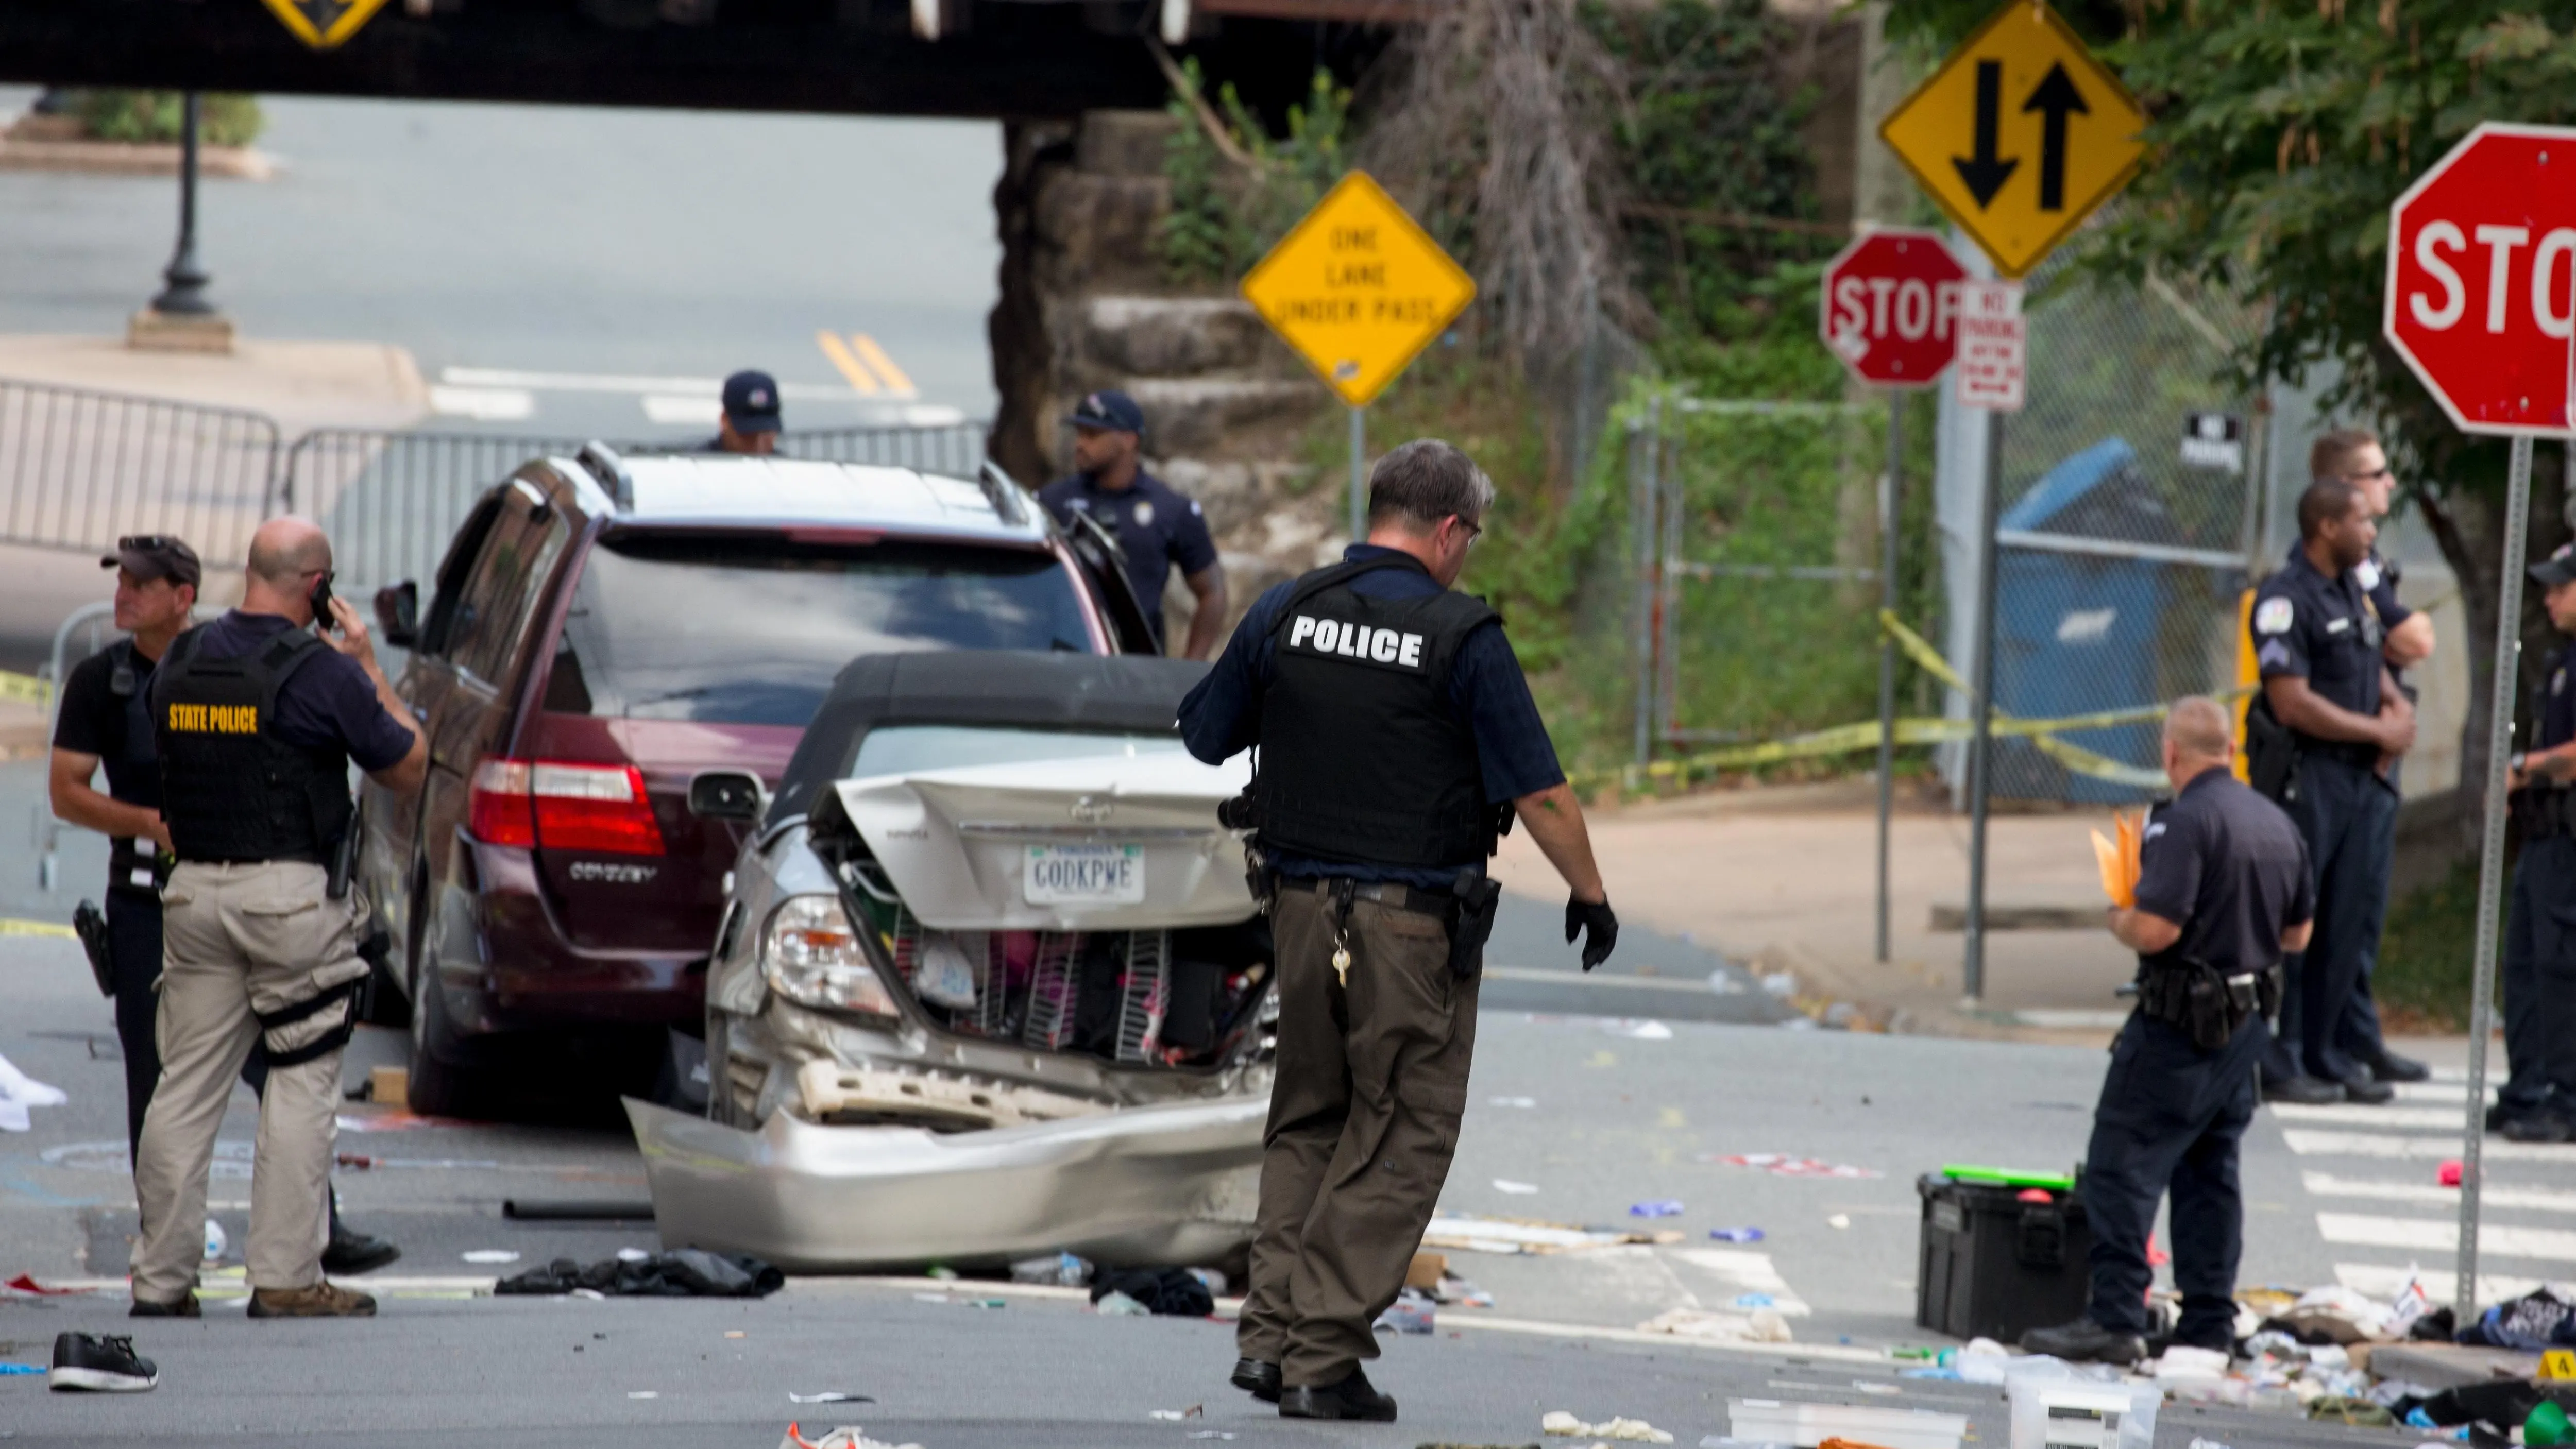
[2558, 568]
[1111, 410]
[751, 402]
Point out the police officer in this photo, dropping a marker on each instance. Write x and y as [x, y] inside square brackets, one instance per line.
[2223, 890]
[104, 718]
[751, 416]
[1392, 720]
[2354, 456]
[2538, 1101]
[2322, 737]
[1157, 527]
[256, 722]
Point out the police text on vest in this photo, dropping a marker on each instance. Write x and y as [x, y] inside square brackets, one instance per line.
[1355, 641]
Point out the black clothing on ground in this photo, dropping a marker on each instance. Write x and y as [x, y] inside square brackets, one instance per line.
[1165, 1292]
[1362, 756]
[2170, 1118]
[678, 1273]
[1156, 526]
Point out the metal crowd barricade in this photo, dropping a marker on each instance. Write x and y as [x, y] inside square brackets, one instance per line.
[78, 468]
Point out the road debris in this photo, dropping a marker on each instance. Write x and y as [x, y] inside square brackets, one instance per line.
[1505, 1184]
[1838, 1220]
[26, 1283]
[1413, 1311]
[1670, 1207]
[18, 1092]
[1736, 1235]
[1194, 1411]
[1634, 1030]
[828, 1396]
[847, 1436]
[679, 1273]
[1478, 1234]
[1114, 1304]
[1064, 1270]
[1781, 1166]
[1524, 1103]
[1762, 1325]
[1168, 1292]
[1636, 1431]
[489, 1255]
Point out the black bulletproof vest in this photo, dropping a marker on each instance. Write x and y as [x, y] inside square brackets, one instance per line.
[231, 788]
[1363, 758]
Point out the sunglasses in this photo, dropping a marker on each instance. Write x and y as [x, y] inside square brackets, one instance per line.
[147, 542]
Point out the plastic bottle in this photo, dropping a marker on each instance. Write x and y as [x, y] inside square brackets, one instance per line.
[214, 1240]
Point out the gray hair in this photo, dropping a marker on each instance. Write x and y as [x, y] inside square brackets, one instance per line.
[1425, 481]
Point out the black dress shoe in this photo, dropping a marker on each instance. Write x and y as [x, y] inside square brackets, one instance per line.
[2539, 1124]
[2084, 1341]
[1259, 1379]
[353, 1253]
[2303, 1091]
[184, 1307]
[1352, 1398]
[2388, 1066]
[2366, 1091]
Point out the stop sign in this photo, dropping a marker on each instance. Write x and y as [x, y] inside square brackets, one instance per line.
[1890, 309]
[2481, 297]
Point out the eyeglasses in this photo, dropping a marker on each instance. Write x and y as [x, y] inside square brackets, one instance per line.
[1475, 532]
[2382, 471]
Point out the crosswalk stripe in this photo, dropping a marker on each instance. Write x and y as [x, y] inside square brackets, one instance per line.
[2384, 1283]
[2542, 1199]
[2454, 1093]
[2443, 1235]
[2379, 1117]
[1747, 1271]
[2379, 1144]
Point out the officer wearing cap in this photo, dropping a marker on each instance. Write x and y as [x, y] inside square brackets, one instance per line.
[2321, 739]
[256, 719]
[104, 719]
[750, 421]
[2538, 1101]
[1157, 527]
[2354, 456]
[1396, 737]
[2223, 891]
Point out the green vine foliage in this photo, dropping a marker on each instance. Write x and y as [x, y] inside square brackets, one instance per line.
[155, 116]
[1224, 216]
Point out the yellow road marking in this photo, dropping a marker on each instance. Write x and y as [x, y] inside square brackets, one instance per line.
[895, 378]
[12, 926]
[834, 348]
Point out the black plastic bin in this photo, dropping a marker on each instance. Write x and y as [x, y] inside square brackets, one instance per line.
[1994, 1266]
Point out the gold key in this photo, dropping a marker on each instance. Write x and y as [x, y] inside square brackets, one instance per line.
[1342, 967]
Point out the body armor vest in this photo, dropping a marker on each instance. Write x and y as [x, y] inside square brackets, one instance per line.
[232, 789]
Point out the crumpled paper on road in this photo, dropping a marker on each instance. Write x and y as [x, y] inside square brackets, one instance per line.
[1762, 1325]
[1635, 1431]
[18, 1092]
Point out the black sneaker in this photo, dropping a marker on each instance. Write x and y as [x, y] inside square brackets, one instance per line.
[1352, 1398]
[1257, 1378]
[2084, 1341]
[2362, 1088]
[184, 1307]
[2388, 1066]
[353, 1253]
[2303, 1091]
[101, 1363]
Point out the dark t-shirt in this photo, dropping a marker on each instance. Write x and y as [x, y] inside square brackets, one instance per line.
[328, 702]
[2558, 702]
[1221, 715]
[94, 720]
[1156, 526]
[2228, 866]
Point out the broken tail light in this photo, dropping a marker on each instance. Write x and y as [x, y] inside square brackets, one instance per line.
[599, 809]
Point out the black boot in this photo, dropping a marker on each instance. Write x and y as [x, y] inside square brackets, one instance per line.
[2304, 1091]
[2363, 1088]
[351, 1253]
[1352, 1398]
[1257, 1378]
[2388, 1066]
[2084, 1341]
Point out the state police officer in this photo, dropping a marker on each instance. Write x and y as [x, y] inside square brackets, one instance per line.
[105, 719]
[256, 722]
[1157, 528]
[2354, 456]
[2538, 1100]
[2322, 736]
[1395, 734]
[2223, 890]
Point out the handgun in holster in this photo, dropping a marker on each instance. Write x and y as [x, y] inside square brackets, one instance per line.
[90, 924]
[2271, 754]
[1473, 901]
[344, 864]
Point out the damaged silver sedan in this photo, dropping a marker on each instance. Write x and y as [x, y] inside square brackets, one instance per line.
[990, 983]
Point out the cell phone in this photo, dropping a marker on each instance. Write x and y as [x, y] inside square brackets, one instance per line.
[320, 599]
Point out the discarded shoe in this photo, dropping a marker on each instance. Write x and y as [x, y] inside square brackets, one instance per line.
[2084, 1341]
[353, 1253]
[1352, 1398]
[185, 1307]
[100, 1363]
[2388, 1066]
[2304, 1091]
[322, 1300]
[1259, 1379]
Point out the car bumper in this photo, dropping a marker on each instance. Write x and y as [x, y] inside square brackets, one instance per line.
[1162, 1186]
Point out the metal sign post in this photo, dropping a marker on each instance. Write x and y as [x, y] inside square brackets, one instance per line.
[1359, 474]
[1888, 498]
[1992, 374]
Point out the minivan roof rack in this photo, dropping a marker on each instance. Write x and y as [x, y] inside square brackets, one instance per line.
[1008, 501]
[600, 461]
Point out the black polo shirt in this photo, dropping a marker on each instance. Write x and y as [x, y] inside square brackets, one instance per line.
[2227, 866]
[2558, 702]
[1155, 525]
[2321, 629]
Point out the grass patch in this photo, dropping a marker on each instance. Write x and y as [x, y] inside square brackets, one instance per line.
[2424, 978]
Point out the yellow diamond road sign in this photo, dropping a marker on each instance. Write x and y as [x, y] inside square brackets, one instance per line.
[2019, 135]
[1358, 288]
[323, 24]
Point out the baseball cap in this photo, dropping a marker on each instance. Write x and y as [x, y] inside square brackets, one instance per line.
[2558, 568]
[156, 556]
[1111, 410]
[751, 401]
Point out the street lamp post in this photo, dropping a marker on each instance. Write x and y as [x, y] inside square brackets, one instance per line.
[184, 291]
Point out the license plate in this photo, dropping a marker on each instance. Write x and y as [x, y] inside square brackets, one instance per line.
[1100, 875]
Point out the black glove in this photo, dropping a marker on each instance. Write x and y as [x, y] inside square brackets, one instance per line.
[1597, 924]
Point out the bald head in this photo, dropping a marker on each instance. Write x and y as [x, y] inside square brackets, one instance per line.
[285, 550]
[2200, 731]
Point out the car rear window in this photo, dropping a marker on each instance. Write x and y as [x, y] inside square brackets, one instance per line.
[904, 749]
[738, 630]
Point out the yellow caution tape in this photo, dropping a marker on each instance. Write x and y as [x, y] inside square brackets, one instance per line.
[25, 687]
[1845, 739]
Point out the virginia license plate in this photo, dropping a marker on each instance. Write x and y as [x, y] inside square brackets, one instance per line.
[1094, 875]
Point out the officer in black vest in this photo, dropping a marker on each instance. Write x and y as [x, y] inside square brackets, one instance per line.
[2321, 740]
[2538, 1101]
[256, 722]
[105, 719]
[1395, 736]
[2223, 891]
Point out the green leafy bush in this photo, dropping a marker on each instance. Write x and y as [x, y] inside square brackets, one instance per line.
[1225, 214]
[155, 116]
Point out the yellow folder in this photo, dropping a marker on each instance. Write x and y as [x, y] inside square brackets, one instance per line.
[2118, 859]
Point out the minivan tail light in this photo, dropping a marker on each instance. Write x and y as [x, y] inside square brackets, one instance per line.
[602, 809]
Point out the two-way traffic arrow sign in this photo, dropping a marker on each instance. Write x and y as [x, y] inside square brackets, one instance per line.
[2022, 89]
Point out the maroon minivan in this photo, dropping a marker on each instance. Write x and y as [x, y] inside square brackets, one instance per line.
[601, 630]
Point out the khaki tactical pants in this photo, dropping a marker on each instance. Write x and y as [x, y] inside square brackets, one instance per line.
[1364, 1112]
[239, 939]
